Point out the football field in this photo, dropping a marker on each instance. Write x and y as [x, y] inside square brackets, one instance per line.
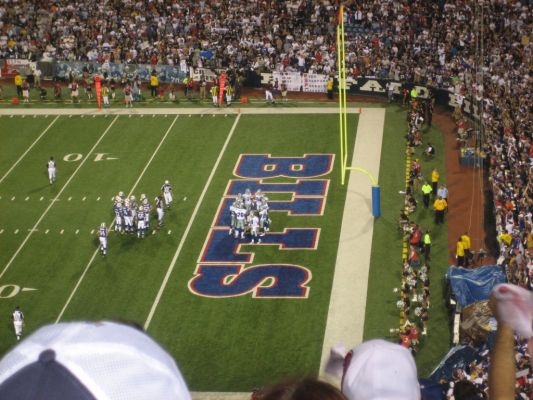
[234, 315]
[231, 330]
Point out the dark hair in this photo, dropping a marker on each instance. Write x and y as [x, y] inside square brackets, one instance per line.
[303, 389]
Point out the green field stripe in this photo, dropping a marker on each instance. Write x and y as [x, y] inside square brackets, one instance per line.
[132, 272]
[186, 233]
[111, 224]
[52, 262]
[251, 342]
[17, 140]
[4, 270]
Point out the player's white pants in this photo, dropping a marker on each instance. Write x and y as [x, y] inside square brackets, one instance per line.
[103, 244]
[168, 198]
[128, 222]
[140, 227]
[18, 327]
[268, 96]
[106, 100]
[51, 174]
[215, 100]
[118, 223]
[160, 214]
[228, 99]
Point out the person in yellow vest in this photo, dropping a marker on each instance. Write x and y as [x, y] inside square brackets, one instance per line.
[214, 95]
[185, 82]
[427, 245]
[105, 95]
[466, 246]
[435, 180]
[414, 93]
[426, 192]
[229, 94]
[460, 253]
[329, 86]
[505, 238]
[440, 206]
[154, 84]
[18, 84]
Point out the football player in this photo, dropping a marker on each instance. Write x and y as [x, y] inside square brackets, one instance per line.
[146, 208]
[264, 221]
[133, 206]
[51, 165]
[166, 189]
[160, 212]
[118, 215]
[18, 322]
[128, 219]
[140, 222]
[247, 196]
[102, 236]
[233, 220]
[254, 228]
[240, 218]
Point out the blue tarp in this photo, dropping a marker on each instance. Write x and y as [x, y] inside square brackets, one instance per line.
[471, 285]
[457, 357]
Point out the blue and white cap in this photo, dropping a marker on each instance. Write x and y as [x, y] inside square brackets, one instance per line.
[88, 361]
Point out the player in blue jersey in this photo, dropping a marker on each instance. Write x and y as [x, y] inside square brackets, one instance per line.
[119, 220]
[146, 208]
[102, 236]
[128, 218]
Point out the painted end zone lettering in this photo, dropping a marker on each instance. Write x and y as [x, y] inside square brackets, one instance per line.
[308, 166]
[223, 248]
[221, 270]
[274, 281]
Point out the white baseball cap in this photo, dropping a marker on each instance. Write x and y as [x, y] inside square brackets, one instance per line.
[90, 360]
[380, 370]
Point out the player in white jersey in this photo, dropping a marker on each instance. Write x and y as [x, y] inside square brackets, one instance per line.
[146, 208]
[102, 236]
[233, 220]
[141, 223]
[18, 321]
[240, 216]
[254, 228]
[166, 189]
[51, 165]
[160, 212]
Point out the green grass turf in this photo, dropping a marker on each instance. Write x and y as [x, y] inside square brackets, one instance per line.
[220, 344]
[239, 343]
[287, 333]
[386, 259]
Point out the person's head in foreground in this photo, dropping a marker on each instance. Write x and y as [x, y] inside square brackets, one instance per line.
[380, 370]
[89, 361]
[303, 389]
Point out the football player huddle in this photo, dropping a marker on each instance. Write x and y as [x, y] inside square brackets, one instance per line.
[249, 216]
[132, 215]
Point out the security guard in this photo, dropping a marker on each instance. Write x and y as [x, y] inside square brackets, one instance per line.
[427, 245]
[426, 192]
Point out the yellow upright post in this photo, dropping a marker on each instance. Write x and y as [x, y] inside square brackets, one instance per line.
[341, 120]
[343, 68]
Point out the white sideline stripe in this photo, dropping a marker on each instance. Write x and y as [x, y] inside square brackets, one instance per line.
[29, 148]
[140, 112]
[89, 154]
[189, 225]
[346, 315]
[111, 224]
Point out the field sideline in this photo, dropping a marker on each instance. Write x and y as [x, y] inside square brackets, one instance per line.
[49, 263]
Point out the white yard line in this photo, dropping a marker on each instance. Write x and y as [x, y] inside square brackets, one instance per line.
[150, 112]
[346, 315]
[89, 154]
[111, 224]
[28, 149]
[189, 225]
[220, 396]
